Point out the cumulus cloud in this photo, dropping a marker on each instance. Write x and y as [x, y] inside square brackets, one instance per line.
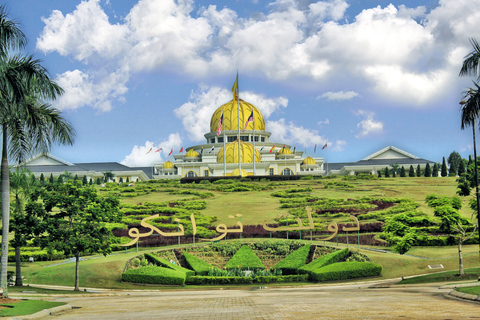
[368, 126]
[196, 113]
[402, 54]
[338, 146]
[141, 156]
[340, 95]
[293, 134]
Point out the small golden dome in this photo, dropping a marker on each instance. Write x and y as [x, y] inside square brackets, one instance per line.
[235, 173]
[168, 165]
[232, 153]
[285, 150]
[230, 117]
[308, 160]
[191, 153]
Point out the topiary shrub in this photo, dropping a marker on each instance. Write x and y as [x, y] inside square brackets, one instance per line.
[164, 263]
[155, 275]
[196, 264]
[346, 270]
[293, 261]
[330, 258]
[245, 258]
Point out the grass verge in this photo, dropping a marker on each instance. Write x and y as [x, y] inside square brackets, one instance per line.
[24, 307]
[470, 274]
[470, 290]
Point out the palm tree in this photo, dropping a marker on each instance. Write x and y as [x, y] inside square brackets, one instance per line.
[471, 64]
[469, 114]
[27, 124]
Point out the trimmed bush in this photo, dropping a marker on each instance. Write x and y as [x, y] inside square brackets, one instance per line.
[196, 264]
[155, 275]
[346, 270]
[289, 278]
[293, 261]
[200, 280]
[245, 258]
[330, 258]
[167, 264]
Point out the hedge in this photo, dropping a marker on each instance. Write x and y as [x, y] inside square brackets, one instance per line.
[196, 264]
[293, 261]
[167, 264]
[245, 258]
[330, 258]
[155, 275]
[289, 278]
[346, 270]
[200, 280]
[37, 255]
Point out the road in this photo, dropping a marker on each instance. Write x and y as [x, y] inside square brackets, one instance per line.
[353, 301]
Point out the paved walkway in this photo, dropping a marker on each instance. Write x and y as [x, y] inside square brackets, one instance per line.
[354, 301]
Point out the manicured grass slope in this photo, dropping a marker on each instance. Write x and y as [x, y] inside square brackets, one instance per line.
[25, 307]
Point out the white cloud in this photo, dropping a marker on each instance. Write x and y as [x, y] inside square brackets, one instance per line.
[141, 156]
[339, 146]
[294, 135]
[320, 123]
[340, 95]
[196, 113]
[368, 126]
[84, 32]
[82, 89]
[406, 55]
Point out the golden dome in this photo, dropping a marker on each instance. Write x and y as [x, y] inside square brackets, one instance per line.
[230, 118]
[285, 150]
[168, 165]
[191, 153]
[308, 160]
[235, 173]
[232, 153]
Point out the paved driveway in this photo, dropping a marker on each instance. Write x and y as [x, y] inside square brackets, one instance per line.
[361, 301]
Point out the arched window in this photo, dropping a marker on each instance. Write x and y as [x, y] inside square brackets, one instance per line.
[287, 172]
[191, 174]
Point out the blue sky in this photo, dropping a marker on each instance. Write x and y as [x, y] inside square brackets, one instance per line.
[358, 75]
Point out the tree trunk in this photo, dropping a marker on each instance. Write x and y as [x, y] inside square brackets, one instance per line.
[77, 262]
[5, 198]
[18, 268]
[461, 272]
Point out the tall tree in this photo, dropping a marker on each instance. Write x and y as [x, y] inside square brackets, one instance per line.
[73, 219]
[419, 171]
[27, 125]
[411, 171]
[435, 170]
[444, 172]
[428, 171]
[454, 158]
[461, 168]
[402, 172]
[387, 174]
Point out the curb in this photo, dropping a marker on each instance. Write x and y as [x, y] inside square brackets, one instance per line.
[43, 313]
[465, 296]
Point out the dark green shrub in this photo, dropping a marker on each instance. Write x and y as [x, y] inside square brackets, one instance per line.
[293, 261]
[288, 278]
[196, 264]
[155, 275]
[245, 258]
[346, 270]
[201, 280]
[330, 258]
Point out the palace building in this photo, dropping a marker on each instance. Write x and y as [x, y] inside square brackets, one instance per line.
[238, 144]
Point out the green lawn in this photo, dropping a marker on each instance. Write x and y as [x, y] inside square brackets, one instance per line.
[25, 307]
[470, 290]
[470, 274]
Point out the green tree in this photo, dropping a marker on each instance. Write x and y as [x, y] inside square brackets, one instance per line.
[73, 219]
[51, 180]
[90, 182]
[42, 178]
[463, 185]
[387, 174]
[411, 171]
[418, 173]
[75, 178]
[402, 172]
[27, 124]
[452, 222]
[444, 172]
[98, 182]
[452, 172]
[461, 168]
[428, 171]
[435, 170]
[108, 175]
[21, 187]
[84, 180]
[454, 159]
